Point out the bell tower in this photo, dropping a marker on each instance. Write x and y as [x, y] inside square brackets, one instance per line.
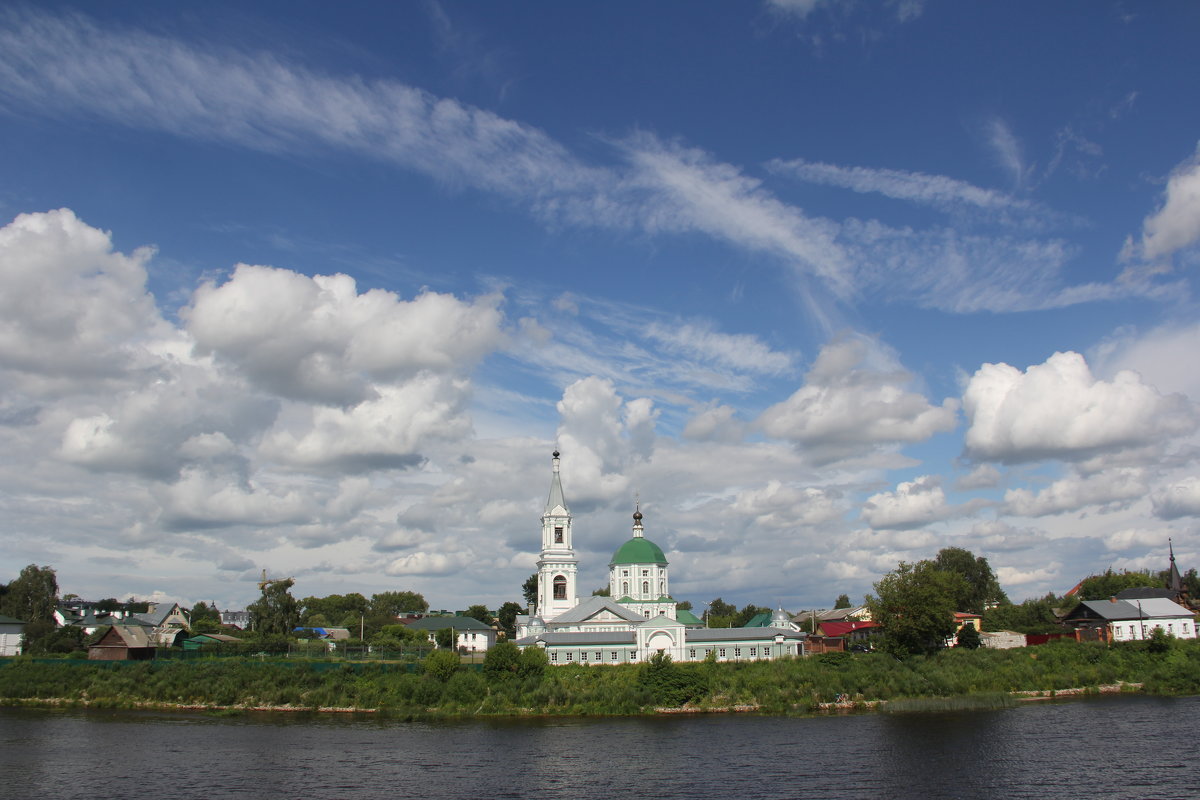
[557, 565]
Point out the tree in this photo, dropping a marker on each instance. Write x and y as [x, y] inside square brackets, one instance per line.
[981, 587]
[395, 604]
[506, 616]
[684, 605]
[843, 601]
[603, 591]
[720, 614]
[914, 606]
[32, 596]
[442, 664]
[502, 661]
[276, 612]
[204, 618]
[446, 638]
[479, 612]
[968, 637]
[529, 589]
[1108, 584]
[749, 612]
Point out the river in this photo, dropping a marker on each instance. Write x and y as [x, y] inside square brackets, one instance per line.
[1108, 747]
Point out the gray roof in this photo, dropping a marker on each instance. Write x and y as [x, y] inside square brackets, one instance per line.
[581, 639]
[7, 620]
[697, 635]
[161, 611]
[458, 623]
[592, 606]
[1149, 608]
[1144, 593]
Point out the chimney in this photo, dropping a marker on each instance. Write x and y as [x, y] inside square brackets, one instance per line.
[1112, 599]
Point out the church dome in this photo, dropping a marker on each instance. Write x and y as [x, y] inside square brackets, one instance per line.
[638, 550]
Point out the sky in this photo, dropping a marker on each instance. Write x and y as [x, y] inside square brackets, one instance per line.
[825, 286]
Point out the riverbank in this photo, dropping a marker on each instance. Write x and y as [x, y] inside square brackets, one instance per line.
[800, 686]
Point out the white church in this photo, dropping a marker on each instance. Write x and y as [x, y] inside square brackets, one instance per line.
[640, 617]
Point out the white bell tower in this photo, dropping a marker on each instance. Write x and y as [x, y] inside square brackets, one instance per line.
[557, 565]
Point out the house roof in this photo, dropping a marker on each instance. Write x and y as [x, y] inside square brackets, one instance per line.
[592, 606]
[1144, 593]
[843, 628]
[760, 620]
[583, 639]
[159, 613]
[695, 635]
[687, 617]
[458, 623]
[129, 635]
[7, 620]
[1149, 608]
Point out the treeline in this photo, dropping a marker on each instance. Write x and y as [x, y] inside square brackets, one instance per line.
[515, 682]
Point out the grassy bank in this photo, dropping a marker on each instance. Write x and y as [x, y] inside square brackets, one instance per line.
[789, 686]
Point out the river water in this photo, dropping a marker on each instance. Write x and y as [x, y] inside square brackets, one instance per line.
[1109, 747]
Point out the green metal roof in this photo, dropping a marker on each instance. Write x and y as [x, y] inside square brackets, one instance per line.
[638, 550]
[687, 617]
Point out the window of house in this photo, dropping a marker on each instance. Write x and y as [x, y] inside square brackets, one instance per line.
[558, 534]
[599, 656]
[753, 652]
[1170, 627]
[721, 652]
[560, 587]
[613, 656]
[583, 655]
[1185, 627]
[737, 652]
[692, 654]
[554, 655]
[568, 655]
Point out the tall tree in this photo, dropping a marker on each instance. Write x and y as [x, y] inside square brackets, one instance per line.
[33, 595]
[529, 589]
[981, 587]
[479, 612]
[1107, 584]
[914, 606]
[395, 604]
[843, 601]
[507, 617]
[276, 612]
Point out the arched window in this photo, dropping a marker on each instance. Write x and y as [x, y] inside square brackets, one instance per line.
[558, 539]
[645, 588]
[624, 588]
[560, 587]
[662, 587]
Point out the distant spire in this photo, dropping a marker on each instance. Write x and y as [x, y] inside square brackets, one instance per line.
[1174, 580]
[556, 492]
[637, 520]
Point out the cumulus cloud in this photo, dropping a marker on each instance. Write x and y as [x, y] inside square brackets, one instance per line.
[1154, 354]
[777, 505]
[1176, 224]
[603, 435]
[1113, 489]
[1058, 409]
[73, 312]
[1139, 539]
[1179, 499]
[855, 400]
[715, 424]
[983, 476]
[911, 505]
[317, 339]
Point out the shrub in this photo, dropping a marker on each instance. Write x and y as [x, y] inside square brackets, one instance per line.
[442, 664]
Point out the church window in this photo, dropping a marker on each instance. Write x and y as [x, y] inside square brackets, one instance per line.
[599, 656]
[568, 655]
[624, 588]
[737, 652]
[721, 652]
[613, 656]
[645, 587]
[583, 655]
[624, 573]
[554, 655]
[692, 654]
[560, 587]
[753, 652]
[645, 572]
[558, 534]
[662, 587]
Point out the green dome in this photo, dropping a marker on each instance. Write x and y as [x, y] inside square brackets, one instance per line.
[639, 550]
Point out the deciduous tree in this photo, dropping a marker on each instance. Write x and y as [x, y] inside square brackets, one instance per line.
[914, 605]
[981, 587]
[276, 612]
[843, 601]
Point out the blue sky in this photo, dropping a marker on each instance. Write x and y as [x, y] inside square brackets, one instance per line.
[829, 285]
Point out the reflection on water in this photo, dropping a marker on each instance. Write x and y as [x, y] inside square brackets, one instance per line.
[1127, 747]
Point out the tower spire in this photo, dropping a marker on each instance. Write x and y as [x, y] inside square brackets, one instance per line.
[556, 497]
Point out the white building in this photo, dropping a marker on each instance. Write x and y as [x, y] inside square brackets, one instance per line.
[1131, 620]
[642, 619]
[11, 636]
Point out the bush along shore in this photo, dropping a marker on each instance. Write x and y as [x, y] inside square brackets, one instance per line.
[515, 683]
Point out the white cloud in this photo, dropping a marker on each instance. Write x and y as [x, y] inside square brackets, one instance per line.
[855, 401]
[1176, 224]
[1007, 150]
[938, 191]
[1060, 410]
[73, 312]
[1013, 576]
[1178, 499]
[317, 339]
[1138, 539]
[912, 504]
[741, 352]
[715, 423]
[777, 505]
[1156, 355]
[1111, 488]
[983, 476]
